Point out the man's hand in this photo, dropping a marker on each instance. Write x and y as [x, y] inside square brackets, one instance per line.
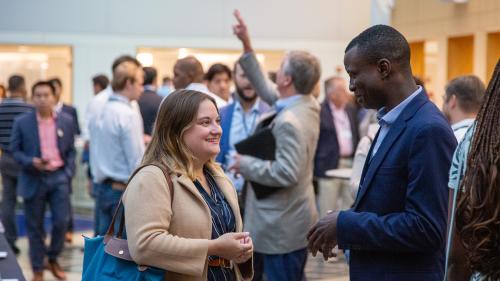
[39, 164]
[235, 166]
[241, 31]
[323, 235]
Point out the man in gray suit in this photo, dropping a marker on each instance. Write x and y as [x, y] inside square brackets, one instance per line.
[278, 221]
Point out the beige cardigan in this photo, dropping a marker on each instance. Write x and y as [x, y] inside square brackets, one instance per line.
[173, 234]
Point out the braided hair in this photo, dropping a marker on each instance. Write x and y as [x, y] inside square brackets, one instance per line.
[478, 210]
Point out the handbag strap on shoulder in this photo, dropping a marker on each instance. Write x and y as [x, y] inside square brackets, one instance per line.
[111, 229]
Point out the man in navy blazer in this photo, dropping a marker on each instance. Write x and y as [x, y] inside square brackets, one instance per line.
[150, 101]
[338, 138]
[42, 143]
[396, 228]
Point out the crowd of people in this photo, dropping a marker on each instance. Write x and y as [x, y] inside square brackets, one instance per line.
[221, 185]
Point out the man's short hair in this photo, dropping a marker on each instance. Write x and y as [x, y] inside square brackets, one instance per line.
[192, 67]
[44, 83]
[469, 90]
[57, 81]
[16, 83]
[124, 72]
[101, 80]
[330, 80]
[382, 41]
[122, 59]
[167, 79]
[305, 70]
[216, 69]
[150, 74]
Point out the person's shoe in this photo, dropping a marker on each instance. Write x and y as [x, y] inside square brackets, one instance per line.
[68, 237]
[56, 270]
[37, 276]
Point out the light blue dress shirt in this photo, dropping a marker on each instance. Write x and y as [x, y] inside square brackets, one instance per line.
[242, 126]
[116, 140]
[386, 119]
[282, 103]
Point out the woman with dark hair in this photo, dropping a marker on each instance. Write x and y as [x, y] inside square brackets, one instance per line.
[475, 250]
[194, 230]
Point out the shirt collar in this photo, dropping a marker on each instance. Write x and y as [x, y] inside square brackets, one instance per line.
[198, 87]
[254, 109]
[58, 106]
[149, 88]
[463, 124]
[333, 107]
[39, 117]
[11, 99]
[285, 102]
[387, 118]
[120, 98]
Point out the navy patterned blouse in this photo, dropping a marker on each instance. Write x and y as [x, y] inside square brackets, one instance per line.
[223, 221]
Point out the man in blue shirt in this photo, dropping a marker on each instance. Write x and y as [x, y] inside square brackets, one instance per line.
[238, 120]
[396, 227]
[117, 142]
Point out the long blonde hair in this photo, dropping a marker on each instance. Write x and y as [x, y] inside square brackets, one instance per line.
[176, 115]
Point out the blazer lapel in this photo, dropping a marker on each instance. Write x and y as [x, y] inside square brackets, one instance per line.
[36, 137]
[327, 117]
[189, 185]
[374, 162]
[371, 166]
[223, 185]
[59, 133]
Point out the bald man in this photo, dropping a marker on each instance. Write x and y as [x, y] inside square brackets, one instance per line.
[188, 74]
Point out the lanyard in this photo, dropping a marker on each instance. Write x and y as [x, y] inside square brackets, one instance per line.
[244, 121]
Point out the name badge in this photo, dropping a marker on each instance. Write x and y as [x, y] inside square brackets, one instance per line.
[346, 134]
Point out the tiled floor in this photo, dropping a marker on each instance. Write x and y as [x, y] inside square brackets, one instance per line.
[72, 258]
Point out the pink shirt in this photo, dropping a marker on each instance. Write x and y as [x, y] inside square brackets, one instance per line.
[48, 134]
[343, 128]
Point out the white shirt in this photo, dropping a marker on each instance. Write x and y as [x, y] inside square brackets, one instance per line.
[116, 140]
[461, 127]
[203, 88]
[94, 107]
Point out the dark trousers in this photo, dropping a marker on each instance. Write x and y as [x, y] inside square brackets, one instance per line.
[286, 267]
[54, 190]
[258, 266]
[95, 186]
[70, 222]
[106, 202]
[9, 170]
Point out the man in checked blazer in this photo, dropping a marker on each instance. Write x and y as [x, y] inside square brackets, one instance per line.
[277, 222]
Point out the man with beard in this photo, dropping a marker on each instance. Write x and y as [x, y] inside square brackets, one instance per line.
[238, 119]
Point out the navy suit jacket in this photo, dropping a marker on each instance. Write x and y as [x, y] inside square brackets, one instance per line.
[149, 103]
[396, 228]
[328, 151]
[70, 110]
[226, 116]
[25, 145]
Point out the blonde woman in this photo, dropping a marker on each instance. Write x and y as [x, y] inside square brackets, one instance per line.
[193, 232]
